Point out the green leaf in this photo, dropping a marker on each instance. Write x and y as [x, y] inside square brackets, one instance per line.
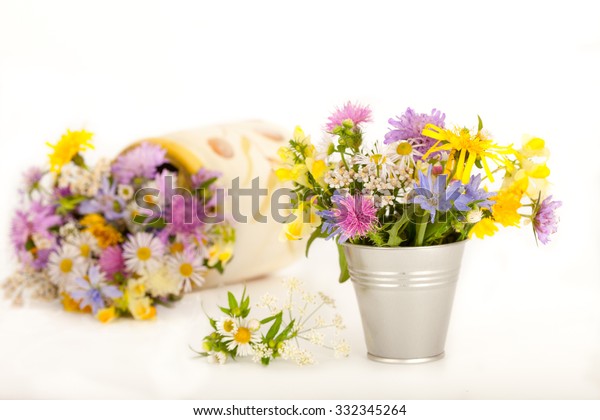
[395, 239]
[275, 327]
[232, 301]
[269, 319]
[29, 245]
[316, 234]
[344, 274]
[284, 334]
[480, 124]
[376, 238]
[226, 311]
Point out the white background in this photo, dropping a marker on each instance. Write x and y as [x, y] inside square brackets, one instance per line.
[526, 322]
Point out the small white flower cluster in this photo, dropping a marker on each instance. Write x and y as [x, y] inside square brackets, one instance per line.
[377, 185]
[340, 176]
[34, 283]
[83, 181]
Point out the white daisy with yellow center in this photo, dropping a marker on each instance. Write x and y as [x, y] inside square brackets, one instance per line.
[378, 161]
[188, 267]
[244, 337]
[227, 326]
[142, 252]
[65, 265]
[86, 243]
[403, 153]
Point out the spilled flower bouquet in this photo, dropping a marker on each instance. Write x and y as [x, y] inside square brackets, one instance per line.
[424, 184]
[110, 239]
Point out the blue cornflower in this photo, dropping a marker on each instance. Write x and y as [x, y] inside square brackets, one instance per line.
[106, 202]
[434, 196]
[472, 194]
[92, 289]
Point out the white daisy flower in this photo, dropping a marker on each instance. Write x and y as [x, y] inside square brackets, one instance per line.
[188, 266]
[379, 161]
[227, 326]
[243, 340]
[65, 265]
[125, 191]
[404, 153]
[142, 252]
[86, 243]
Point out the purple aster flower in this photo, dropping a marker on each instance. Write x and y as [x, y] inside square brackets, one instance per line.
[351, 217]
[92, 289]
[472, 194]
[545, 220]
[434, 196]
[111, 261]
[358, 114]
[106, 202]
[38, 219]
[409, 126]
[140, 162]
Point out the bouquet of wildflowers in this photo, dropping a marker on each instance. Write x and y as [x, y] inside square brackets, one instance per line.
[112, 239]
[283, 334]
[424, 184]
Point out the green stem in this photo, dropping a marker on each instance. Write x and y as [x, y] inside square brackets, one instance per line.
[421, 227]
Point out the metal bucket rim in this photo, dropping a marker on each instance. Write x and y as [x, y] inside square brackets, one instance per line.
[407, 248]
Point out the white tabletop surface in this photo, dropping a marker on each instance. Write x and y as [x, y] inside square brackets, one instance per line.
[526, 320]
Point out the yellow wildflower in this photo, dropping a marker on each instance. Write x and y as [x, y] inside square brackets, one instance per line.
[71, 305]
[106, 315]
[220, 253]
[306, 219]
[508, 202]
[532, 167]
[471, 148]
[106, 235]
[485, 227]
[141, 309]
[70, 144]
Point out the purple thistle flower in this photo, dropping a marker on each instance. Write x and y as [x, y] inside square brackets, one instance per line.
[351, 217]
[38, 219]
[140, 162]
[472, 194]
[204, 175]
[106, 202]
[545, 220]
[111, 261]
[182, 217]
[358, 114]
[409, 126]
[434, 196]
[92, 290]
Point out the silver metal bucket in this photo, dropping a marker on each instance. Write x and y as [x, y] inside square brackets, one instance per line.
[405, 297]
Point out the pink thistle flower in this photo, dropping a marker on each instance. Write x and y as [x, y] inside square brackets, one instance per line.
[351, 217]
[111, 261]
[356, 113]
[545, 221]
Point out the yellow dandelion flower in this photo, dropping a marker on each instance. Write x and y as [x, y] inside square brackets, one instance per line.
[70, 144]
[485, 227]
[71, 305]
[471, 148]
